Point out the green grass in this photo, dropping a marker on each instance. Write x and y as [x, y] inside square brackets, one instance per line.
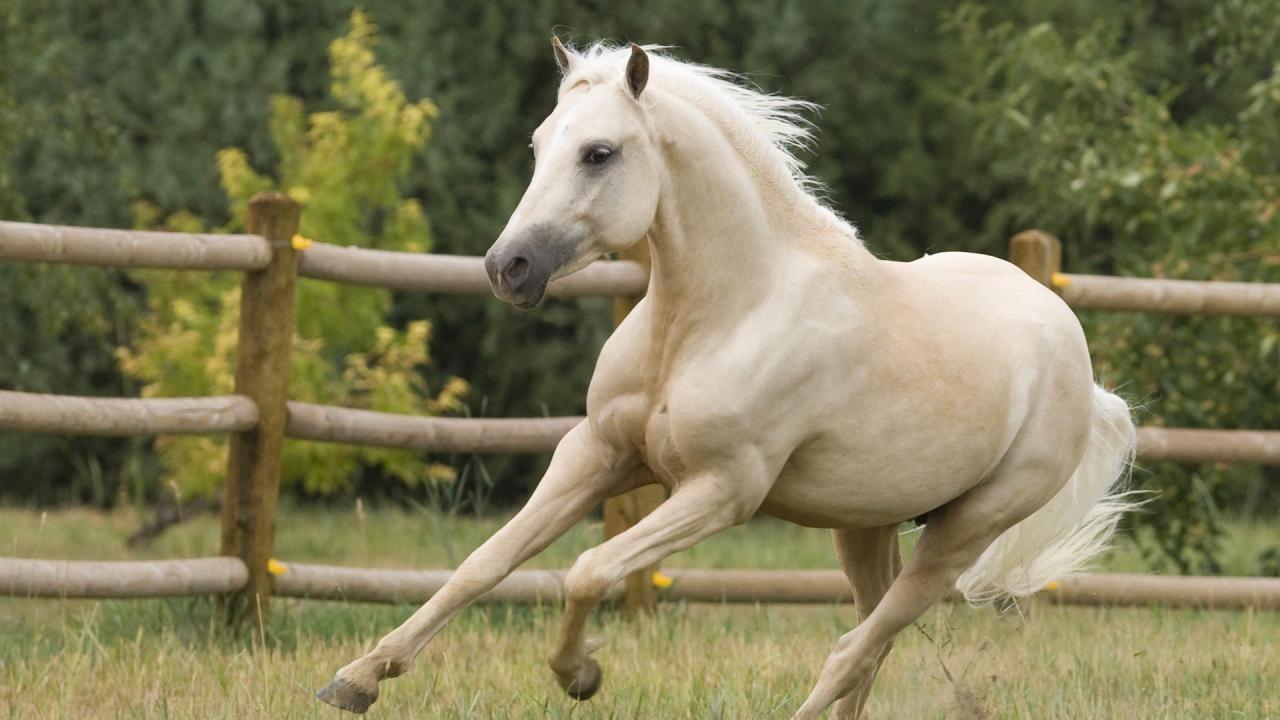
[173, 659]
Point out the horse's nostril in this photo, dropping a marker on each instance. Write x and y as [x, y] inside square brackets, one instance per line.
[515, 271]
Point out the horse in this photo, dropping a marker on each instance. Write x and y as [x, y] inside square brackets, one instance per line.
[777, 366]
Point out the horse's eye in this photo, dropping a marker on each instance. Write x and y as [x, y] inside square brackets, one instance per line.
[597, 155]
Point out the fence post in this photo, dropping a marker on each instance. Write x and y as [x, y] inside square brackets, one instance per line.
[626, 510]
[1039, 254]
[262, 374]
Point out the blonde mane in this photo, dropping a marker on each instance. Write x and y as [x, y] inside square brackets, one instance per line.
[772, 128]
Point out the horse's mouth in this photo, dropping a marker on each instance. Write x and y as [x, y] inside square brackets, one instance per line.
[529, 301]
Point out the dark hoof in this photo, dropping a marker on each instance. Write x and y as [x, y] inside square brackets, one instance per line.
[345, 696]
[587, 682]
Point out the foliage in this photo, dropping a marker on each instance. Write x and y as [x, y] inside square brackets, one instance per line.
[345, 165]
[57, 323]
[1137, 132]
[1134, 189]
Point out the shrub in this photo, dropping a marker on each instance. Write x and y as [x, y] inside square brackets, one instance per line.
[345, 166]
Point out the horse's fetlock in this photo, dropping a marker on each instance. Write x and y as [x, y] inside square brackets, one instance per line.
[395, 667]
[564, 665]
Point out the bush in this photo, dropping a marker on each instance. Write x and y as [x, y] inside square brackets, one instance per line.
[1142, 134]
[345, 166]
[1135, 187]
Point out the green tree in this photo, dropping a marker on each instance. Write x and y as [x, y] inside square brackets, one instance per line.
[942, 130]
[345, 166]
[58, 323]
[1133, 187]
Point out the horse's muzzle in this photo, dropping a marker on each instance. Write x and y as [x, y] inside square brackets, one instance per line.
[515, 279]
[520, 269]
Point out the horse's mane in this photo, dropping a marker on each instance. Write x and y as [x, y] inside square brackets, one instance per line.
[777, 122]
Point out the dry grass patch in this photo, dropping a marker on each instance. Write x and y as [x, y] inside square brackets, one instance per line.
[173, 659]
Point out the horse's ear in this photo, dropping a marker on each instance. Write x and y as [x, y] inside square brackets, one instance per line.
[637, 70]
[562, 55]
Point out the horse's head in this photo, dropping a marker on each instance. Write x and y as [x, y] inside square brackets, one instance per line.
[595, 183]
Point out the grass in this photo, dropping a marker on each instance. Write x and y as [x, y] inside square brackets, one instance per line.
[173, 659]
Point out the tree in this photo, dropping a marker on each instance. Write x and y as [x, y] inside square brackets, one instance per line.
[345, 166]
[1136, 186]
[942, 129]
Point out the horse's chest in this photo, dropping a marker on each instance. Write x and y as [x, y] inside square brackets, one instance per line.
[638, 422]
[659, 448]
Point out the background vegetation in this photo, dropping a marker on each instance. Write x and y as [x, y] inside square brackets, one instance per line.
[1143, 134]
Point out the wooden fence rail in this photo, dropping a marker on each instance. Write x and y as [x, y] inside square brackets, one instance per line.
[1184, 445]
[454, 435]
[465, 275]
[1039, 254]
[38, 412]
[1100, 292]
[454, 274]
[541, 435]
[331, 582]
[166, 578]
[131, 248]
[770, 586]
[120, 579]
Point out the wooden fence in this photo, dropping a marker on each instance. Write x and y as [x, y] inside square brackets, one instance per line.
[259, 417]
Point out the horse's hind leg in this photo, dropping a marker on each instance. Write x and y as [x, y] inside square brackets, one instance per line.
[953, 540]
[871, 560]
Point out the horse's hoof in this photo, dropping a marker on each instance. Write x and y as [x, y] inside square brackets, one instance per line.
[587, 682]
[346, 696]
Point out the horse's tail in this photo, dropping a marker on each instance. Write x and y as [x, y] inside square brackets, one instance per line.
[1076, 523]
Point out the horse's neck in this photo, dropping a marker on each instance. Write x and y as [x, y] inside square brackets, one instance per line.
[733, 232]
[719, 247]
[711, 253]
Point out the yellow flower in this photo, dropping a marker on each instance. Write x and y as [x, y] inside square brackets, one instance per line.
[275, 567]
[1061, 280]
[1052, 585]
[661, 581]
[300, 243]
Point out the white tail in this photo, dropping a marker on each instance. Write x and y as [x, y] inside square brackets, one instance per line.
[1076, 524]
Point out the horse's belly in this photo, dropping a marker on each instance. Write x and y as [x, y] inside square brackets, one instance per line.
[880, 478]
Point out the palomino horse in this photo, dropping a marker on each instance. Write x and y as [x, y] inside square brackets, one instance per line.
[777, 366]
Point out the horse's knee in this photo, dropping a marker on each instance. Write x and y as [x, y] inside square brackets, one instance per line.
[855, 659]
[588, 580]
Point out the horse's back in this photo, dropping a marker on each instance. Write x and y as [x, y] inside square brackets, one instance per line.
[972, 273]
[968, 348]
[989, 290]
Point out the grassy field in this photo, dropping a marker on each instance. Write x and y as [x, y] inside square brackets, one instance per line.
[173, 659]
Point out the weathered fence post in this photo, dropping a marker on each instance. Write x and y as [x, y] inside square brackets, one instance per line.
[262, 374]
[626, 510]
[1038, 253]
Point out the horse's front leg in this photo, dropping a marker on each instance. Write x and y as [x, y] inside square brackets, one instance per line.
[583, 471]
[696, 509]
